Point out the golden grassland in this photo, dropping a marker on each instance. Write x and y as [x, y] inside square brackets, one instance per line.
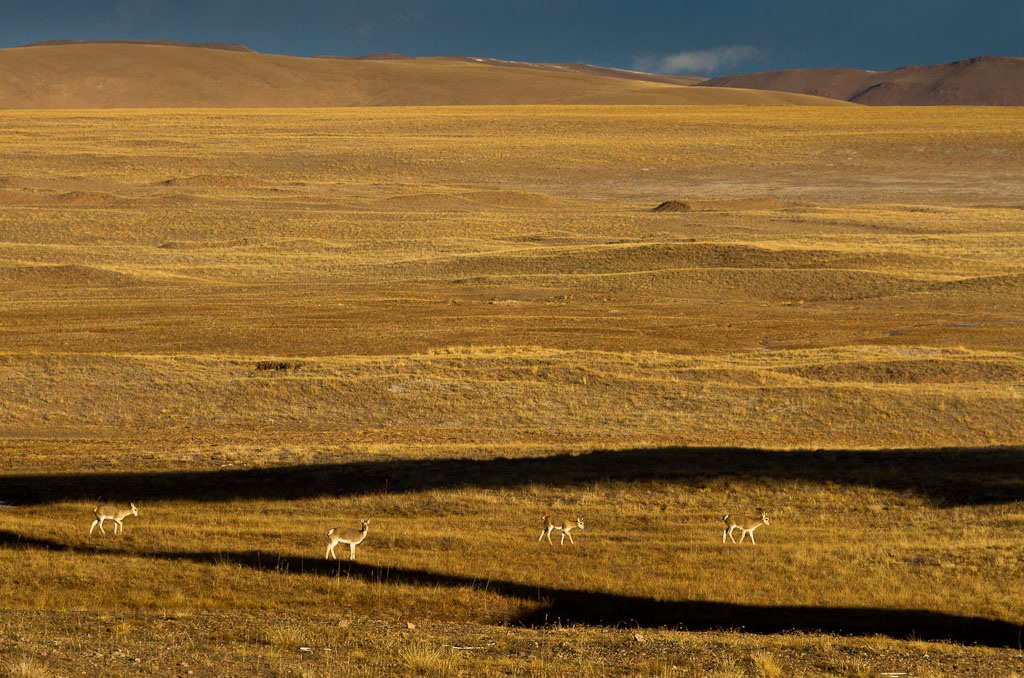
[259, 324]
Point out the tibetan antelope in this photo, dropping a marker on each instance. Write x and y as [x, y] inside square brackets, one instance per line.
[108, 512]
[339, 535]
[744, 524]
[562, 525]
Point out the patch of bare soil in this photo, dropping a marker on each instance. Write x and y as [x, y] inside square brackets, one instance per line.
[985, 284]
[66, 275]
[470, 201]
[516, 199]
[87, 199]
[42, 198]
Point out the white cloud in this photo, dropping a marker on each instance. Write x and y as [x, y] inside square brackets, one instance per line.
[412, 16]
[703, 61]
[365, 30]
[137, 9]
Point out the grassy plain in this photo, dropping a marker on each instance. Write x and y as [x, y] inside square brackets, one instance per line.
[259, 324]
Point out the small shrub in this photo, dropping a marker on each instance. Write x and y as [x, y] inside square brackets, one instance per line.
[422, 660]
[27, 667]
[765, 665]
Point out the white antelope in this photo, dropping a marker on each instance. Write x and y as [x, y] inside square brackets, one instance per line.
[744, 524]
[339, 535]
[562, 525]
[107, 512]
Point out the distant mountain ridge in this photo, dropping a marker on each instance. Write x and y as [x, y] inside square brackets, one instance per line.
[164, 74]
[230, 46]
[981, 81]
[127, 74]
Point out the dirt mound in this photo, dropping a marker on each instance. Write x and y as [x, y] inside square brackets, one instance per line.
[673, 206]
[737, 204]
[983, 81]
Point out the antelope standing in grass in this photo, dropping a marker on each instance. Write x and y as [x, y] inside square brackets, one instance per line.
[744, 524]
[339, 535]
[105, 512]
[562, 525]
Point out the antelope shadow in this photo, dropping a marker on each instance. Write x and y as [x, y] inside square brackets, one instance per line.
[568, 606]
[949, 476]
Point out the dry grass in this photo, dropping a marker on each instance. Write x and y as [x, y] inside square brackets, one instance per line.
[257, 325]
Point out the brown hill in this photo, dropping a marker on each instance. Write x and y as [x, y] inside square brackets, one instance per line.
[234, 47]
[165, 75]
[591, 70]
[984, 81]
[834, 83]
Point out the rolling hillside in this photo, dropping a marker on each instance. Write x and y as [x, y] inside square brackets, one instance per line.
[984, 81]
[162, 75]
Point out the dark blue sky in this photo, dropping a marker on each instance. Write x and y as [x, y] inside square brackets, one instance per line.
[709, 37]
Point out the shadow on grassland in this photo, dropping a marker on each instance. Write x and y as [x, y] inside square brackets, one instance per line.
[949, 476]
[566, 606]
